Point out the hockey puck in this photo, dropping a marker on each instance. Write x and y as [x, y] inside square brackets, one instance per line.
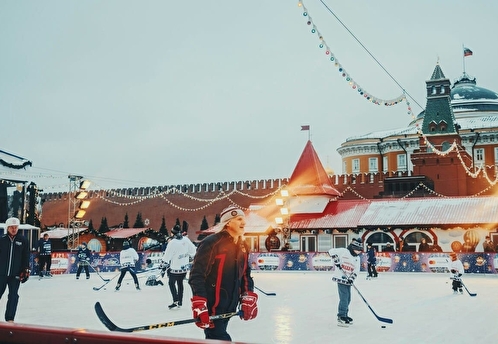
[383, 326]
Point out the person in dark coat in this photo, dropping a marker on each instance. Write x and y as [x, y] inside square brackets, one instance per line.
[14, 265]
[424, 246]
[371, 261]
[44, 255]
[84, 255]
[220, 278]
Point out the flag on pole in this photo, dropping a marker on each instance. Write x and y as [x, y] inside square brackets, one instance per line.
[305, 127]
[467, 52]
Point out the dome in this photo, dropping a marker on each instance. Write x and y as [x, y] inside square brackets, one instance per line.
[466, 96]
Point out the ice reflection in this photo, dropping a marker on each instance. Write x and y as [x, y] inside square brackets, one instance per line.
[283, 325]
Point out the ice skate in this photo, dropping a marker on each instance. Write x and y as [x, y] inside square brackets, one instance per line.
[343, 322]
[174, 305]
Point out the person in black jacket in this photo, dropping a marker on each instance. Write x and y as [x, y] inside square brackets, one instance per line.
[44, 256]
[84, 255]
[14, 265]
[220, 278]
[371, 261]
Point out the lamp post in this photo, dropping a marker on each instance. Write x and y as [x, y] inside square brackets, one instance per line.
[78, 204]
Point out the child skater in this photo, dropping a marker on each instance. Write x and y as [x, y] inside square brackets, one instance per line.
[347, 267]
[456, 268]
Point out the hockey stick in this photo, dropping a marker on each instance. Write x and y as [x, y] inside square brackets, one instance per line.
[113, 327]
[267, 294]
[471, 294]
[103, 279]
[382, 319]
[106, 283]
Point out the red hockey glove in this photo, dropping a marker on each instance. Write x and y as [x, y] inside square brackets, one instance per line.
[200, 312]
[249, 305]
[24, 275]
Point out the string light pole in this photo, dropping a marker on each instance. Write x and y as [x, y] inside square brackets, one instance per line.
[78, 204]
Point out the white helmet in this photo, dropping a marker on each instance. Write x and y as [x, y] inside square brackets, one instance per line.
[12, 221]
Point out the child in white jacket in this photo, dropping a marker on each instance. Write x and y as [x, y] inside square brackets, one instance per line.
[347, 267]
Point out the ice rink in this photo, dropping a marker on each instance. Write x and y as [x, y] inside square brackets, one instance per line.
[422, 306]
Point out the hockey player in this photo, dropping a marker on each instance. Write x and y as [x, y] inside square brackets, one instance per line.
[456, 268]
[128, 257]
[347, 267]
[153, 277]
[371, 261]
[44, 256]
[176, 261]
[84, 255]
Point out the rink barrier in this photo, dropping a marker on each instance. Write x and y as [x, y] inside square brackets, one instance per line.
[12, 333]
[474, 262]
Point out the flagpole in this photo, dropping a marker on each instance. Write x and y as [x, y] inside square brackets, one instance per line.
[463, 58]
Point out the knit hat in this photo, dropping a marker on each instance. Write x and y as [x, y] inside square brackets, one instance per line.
[12, 221]
[229, 213]
[356, 244]
[176, 229]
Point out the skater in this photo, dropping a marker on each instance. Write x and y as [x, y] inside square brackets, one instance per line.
[153, 278]
[128, 257]
[456, 268]
[221, 276]
[347, 267]
[44, 256]
[176, 261]
[84, 256]
[14, 265]
[371, 261]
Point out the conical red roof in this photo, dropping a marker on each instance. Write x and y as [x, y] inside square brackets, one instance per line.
[309, 176]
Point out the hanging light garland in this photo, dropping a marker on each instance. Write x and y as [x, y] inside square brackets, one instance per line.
[346, 76]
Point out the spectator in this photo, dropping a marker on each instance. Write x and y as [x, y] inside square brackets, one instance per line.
[488, 245]
[424, 246]
[388, 248]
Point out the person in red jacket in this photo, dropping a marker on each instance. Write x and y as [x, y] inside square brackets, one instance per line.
[220, 278]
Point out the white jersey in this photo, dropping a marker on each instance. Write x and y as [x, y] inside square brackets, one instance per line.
[349, 263]
[128, 257]
[458, 266]
[178, 254]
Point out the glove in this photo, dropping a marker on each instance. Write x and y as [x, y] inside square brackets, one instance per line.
[335, 259]
[352, 277]
[164, 266]
[200, 312]
[453, 271]
[249, 306]
[24, 275]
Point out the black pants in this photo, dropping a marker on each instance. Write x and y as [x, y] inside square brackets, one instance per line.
[13, 298]
[44, 260]
[174, 281]
[81, 267]
[372, 271]
[219, 331]
[132, 273]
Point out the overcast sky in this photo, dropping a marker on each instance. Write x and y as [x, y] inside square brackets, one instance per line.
[144, 93]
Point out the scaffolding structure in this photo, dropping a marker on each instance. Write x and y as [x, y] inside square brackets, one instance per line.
[76, 196]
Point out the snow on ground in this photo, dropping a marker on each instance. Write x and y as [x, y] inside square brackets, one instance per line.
[422, 306]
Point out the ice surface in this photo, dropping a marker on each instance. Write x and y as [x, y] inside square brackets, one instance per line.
[422, 306]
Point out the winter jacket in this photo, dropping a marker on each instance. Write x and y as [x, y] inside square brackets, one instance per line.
[371, 259]
[220, 272]
[84, 255]
[14, 255]
[128, 257]
[349, 263]
[178, 254]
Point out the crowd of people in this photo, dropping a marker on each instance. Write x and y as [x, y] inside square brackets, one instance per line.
[219, 271]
